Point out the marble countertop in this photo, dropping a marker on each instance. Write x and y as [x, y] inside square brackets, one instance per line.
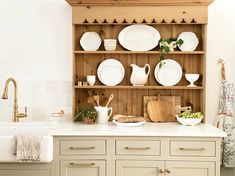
[148, 129]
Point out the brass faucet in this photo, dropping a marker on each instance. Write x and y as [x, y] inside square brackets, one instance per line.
[16, 114]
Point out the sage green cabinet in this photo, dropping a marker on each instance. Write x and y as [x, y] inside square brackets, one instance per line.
[82, 168]
[23, 172]
[189, 168]
[139, 168]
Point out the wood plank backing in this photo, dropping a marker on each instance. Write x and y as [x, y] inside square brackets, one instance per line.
[83, 14]
[130, 101]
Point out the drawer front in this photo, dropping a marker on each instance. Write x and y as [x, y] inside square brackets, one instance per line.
[193, 148]
[82, 168]
[83, 147]
[137, 147]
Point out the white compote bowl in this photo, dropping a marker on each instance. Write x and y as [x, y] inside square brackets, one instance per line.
[192, 78]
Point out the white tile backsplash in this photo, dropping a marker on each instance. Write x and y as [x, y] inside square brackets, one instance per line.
[40, 97]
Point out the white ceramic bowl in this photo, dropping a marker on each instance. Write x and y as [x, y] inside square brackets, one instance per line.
[188, 121]
[110, 42]
[110, 48]
[192, 78]
[91, 79]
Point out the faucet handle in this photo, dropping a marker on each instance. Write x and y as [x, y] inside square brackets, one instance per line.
[22, 115]
[25, 111]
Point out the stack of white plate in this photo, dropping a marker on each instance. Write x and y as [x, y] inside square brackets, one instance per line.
[90, 41]
[111, 72]
[190, 41]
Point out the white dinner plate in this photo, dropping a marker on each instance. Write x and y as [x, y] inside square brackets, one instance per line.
[169, 74]
[139, 37]
[90, 41]
[135, 124]
[190, 41]
[111, 72]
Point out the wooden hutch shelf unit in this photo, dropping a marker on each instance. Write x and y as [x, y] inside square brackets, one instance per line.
[170, 18]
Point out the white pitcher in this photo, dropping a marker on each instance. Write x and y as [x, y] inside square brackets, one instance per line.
[104, 114]
[139, 75]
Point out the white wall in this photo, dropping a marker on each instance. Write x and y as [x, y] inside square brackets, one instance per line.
[35, 48]
[221, 37]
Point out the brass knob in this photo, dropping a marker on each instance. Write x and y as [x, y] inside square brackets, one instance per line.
[162, 171]
[168, 171]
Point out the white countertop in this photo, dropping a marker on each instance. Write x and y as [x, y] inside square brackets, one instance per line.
[148, 129]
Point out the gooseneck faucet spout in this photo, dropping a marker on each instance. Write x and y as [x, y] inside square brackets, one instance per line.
[16, 115]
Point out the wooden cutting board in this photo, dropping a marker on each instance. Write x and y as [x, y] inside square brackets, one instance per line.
[174, 108]
[159, 110]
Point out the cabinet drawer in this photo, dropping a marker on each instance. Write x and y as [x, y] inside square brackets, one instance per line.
[137, 147]
[192, 148]
[83, 147]
[82, 167]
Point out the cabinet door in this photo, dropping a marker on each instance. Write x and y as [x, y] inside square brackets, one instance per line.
[21, 172]
[82, 168]
[139, 168]
[187, 168]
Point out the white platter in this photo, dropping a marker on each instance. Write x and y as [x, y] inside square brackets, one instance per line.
[139, 37]
[111, 72]
[90, 41]
[190, 41]
[136, 124]
[169, 74]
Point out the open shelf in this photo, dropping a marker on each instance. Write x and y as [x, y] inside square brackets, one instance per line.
[108, 22]
[139, 52]
[141, 87]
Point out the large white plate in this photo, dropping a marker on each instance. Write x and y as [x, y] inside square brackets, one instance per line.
[136, 124]
[169, 74]
[90, 41]
[139, 37]
[190, 41]
[111, 72]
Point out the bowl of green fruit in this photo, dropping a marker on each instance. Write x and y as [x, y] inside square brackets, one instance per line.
[188, 118]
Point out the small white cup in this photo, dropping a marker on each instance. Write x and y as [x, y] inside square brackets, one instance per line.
[110, 44]
[91, 79]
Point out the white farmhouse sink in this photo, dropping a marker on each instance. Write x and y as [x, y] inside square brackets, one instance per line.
[9, 130]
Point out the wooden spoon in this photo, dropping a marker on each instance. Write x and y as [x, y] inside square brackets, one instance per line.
[90, 98]
[110, 99]
[97, 99]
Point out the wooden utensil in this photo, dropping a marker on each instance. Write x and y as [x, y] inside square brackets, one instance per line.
[175, 101]
[97, 99]
[90, 98]
[159, 110]
[109, 100]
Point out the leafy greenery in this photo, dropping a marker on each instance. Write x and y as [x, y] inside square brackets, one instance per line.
[190, 115]
[166, 45]
[85, 113]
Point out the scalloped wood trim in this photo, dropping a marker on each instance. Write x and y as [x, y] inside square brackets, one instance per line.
[114, 14]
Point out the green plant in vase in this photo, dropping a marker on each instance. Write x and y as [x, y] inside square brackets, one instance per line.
[168, 45]
[88, 116]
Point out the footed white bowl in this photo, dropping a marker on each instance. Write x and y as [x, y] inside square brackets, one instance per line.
[189, 121]
[192, 78]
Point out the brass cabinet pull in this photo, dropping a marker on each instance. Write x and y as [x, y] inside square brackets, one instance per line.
[81, 148]
[191, 149]
[168, 171]
[137, 148]
[162, 171]
[82, 164]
